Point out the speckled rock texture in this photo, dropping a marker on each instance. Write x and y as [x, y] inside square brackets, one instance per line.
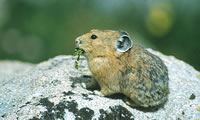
[52, 90]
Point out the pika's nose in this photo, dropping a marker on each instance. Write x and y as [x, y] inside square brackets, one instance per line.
[78, 41]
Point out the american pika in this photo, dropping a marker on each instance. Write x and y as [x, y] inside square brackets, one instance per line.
[120, 66]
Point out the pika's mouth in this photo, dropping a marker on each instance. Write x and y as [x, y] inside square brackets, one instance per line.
[79, 51]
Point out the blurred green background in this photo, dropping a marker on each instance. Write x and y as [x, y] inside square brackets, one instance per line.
[36, 30]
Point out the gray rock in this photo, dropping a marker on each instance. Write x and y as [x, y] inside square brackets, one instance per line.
[11, 67]
[52, 90]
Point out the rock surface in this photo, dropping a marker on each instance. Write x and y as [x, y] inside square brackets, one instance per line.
[52, 90]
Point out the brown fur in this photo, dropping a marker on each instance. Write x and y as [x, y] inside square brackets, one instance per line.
[136, 73]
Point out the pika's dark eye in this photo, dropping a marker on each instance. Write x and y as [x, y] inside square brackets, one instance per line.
[93, 37]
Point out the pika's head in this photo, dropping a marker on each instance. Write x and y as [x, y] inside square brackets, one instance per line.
[98, 43]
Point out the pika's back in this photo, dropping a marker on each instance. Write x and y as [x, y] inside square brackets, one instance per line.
[147, 76]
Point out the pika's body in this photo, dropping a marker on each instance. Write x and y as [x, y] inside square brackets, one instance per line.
[119, 66]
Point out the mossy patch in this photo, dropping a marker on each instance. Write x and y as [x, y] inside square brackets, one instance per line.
[192, 96]
[198, 75]
[198, 108]
[183, 113]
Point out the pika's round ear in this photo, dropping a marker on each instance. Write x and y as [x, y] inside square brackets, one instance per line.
[124, 43]
[122, 32]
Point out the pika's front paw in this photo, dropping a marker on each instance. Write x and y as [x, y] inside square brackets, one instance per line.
[88, 82]
[84, 85]
[96, 92]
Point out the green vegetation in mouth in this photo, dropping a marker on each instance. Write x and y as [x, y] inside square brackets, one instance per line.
[77, 52]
